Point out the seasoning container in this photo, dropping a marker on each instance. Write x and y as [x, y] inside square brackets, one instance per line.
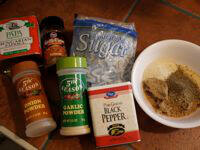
[19, 36]
[73, 89]
[38, 118]
[113, 114]
[53, 42]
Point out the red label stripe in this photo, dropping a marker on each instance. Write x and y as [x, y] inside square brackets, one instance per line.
[127, 137]
[113, 89]
[119, 93]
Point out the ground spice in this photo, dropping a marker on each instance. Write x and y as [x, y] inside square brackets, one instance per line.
[183, 93]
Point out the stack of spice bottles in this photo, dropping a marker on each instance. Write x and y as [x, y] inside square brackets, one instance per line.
[20, 45]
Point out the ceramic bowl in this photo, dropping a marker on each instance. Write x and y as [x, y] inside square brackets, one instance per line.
[181, 52]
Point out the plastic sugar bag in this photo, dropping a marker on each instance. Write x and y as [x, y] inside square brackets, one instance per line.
[109, 47]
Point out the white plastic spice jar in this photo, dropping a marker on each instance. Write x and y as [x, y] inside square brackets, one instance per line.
[73, 89]
[34, 103]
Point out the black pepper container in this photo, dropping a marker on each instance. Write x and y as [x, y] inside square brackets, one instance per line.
[52, 39]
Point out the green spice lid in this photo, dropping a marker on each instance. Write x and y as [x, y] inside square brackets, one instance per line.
[71, 62]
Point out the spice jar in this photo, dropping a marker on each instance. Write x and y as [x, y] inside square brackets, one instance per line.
[53, 42]
[38, 118]
[73, 89]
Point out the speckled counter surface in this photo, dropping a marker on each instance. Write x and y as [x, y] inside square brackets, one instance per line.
[155, 20]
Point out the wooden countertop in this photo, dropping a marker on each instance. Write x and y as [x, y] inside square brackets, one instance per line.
[155, 20]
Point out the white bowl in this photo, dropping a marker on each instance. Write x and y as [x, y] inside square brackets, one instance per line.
[181, 52]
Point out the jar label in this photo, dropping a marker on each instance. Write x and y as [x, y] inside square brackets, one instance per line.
[73, 90]
[19, 36]
[33, 98]
[15, 37]
[54, 46]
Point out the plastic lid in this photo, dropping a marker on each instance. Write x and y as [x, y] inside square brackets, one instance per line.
[40, 127]
[23, 66]
[71, 62]
[72, 131]
[51, 21]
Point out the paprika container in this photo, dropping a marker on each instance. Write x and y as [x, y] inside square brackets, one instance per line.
[19, 40]
[73, 91]
[38, 117]
[19, 37]
[53, 41]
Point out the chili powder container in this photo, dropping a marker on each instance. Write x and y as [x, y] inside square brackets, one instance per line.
[38, 118]
[73, 89]
[53, 41]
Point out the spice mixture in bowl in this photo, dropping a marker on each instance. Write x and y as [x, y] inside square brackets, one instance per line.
[166, 83]
[176, 95]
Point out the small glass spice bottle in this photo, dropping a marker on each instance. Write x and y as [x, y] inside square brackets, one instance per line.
[52, 39]
[73, 89]
[38, 117]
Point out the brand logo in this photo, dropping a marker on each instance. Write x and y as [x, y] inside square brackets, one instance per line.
[12, 25]
[72, 88]
[110, 94]
[27, 87]
[15, 25]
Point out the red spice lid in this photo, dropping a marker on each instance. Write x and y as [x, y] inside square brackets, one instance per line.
[23, 66]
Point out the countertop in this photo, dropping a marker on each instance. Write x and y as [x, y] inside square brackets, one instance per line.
[155, 20]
